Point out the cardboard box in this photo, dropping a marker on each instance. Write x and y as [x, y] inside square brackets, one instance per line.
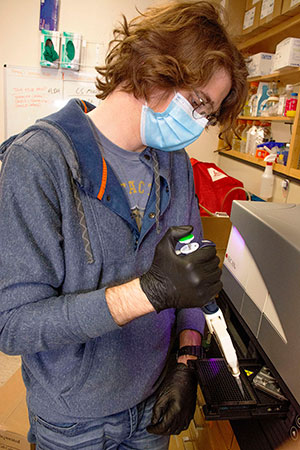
[217, 229]
[290, 7]
[287, 54]
[260, 64]
[270, 13]
[14, 423]
[250, 3]
[251, 18]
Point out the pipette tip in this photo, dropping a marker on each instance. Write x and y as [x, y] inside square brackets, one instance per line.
[239, 383]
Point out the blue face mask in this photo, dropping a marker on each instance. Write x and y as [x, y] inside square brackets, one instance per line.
[173, 129]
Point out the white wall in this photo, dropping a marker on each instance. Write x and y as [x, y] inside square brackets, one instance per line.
[20, 36]
[204, 148]
[94, 19]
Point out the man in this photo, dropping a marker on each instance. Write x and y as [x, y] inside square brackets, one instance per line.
[93, 202]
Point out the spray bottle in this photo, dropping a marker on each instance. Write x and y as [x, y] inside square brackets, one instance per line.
[213, 315]
[267, 179]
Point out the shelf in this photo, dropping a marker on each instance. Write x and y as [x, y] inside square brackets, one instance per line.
[268, 39]
[279, 168]
[288, 120]
[279, 75]
[290, 75]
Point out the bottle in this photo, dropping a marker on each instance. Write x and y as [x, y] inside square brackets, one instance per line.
[267, 179]
[289, 90]
[247, 111]
[269, 106]
[263, 134]
[251, 138]
[244, 136]
[262, 150]
[282, 99]
[291, 105]
[286, 153]
[262, 94]
[280, 153]
[236, 140]
[283, 153]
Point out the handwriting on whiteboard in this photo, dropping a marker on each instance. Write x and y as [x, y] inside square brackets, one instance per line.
[33, 93]
[34, 97]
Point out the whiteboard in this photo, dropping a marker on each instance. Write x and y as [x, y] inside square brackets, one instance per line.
[32, 93]
[79, 85]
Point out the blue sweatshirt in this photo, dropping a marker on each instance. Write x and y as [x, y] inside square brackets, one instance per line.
[66, 235]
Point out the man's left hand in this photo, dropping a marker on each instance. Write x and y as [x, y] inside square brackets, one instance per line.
[176, 402]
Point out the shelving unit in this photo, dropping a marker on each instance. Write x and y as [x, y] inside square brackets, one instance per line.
[266, 41]
[279, 168]
[288, 74]
[289, 120]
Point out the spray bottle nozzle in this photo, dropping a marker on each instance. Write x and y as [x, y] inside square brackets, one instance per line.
[271, 158]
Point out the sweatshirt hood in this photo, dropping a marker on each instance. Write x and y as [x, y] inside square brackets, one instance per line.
[86, 163]
[79, 142]
[6, 144]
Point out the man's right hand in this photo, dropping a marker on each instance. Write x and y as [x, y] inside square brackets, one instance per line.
[181, 281]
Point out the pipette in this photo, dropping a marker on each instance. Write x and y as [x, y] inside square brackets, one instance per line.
[214, 317]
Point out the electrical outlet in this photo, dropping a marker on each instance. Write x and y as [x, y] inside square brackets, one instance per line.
[285, 184]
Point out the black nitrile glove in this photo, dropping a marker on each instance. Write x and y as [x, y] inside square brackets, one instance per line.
[176, 401]
[181, 281]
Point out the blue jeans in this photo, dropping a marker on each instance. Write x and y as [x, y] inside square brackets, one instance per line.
[123, 431]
